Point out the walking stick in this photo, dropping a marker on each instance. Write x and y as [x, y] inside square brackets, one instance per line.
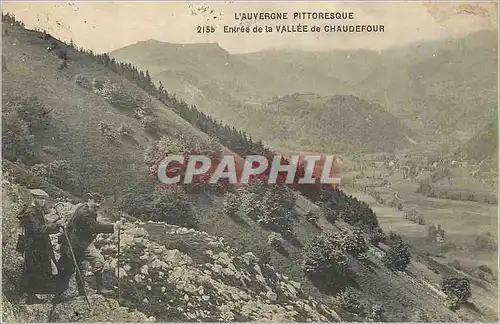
[78, 273]
[118, 263]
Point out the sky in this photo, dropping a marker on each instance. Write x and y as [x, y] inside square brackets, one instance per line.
[106, 26]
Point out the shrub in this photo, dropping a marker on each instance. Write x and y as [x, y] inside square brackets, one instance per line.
[457, 289]
[278, 209]
[414, 215]
[376, 236]
[31, 110]
[398, 257]
[62, 54]
[150, 124]
[274, 239]
[59, 173]
[486, 269]
[353, 244]
[107, 131]
[17, 141]
[172, 206]
[323, 259]
[231, 204]
[485, 242]
[349, 302]
[83, 82]
[377, 313]
[125, 130]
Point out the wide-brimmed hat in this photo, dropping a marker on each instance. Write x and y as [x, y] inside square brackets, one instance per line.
[39, 193]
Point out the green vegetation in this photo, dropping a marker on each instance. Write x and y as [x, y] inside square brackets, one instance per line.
[324, 260]
[398, 257]
[457, 289]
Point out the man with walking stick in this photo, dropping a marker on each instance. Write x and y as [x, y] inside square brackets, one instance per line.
[77, 247]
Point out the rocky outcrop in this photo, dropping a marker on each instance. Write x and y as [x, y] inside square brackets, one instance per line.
[219, 286]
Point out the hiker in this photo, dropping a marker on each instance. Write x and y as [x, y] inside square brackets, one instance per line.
[37, 247]
[82, 229]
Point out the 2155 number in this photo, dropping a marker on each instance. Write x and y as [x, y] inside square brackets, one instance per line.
[206, 29]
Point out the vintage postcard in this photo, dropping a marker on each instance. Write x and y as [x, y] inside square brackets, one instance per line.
[249, 161]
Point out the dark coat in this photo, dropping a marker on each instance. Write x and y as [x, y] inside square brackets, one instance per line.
[84, 227]
[38, 250]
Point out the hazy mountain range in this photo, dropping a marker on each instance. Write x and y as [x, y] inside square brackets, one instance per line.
[442, 89]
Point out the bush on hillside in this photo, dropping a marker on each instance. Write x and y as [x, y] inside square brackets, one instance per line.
[275, 239]
[171, 205]
[83, 82]
[486, 269]
[150, 124]
[59, 173]
[376, 236]
[349, 302]
[457, 289]
[353, 243]
[62, 54]
[278, 209]
[108, 131]
[398, 257]
[125, 130]
[17, 140]
[323, 259]
[30, 109]
[415, 215]
[485, 242]
[231, 204]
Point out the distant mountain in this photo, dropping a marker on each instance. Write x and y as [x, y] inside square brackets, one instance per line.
[442, 89]
[332, 122]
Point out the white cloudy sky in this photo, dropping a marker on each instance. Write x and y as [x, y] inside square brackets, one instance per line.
[105, 26]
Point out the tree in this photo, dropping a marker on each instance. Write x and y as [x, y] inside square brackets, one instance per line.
[398, 257]
[457, 289]
[323, 259]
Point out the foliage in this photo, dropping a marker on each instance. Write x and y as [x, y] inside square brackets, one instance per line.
[275, 239]
[150, 124]
[376, 236]
[323, 259]
[415, 215]
[349, 302]
[125, 130]
[231, 204]
[83, 82]
[350, 243]
[30, 109]
[17, 140]
[277, 209]
[59, 173]
[398, 257]
[169, 204]
[377, 313]
[457, 289]
[108, 131]
[485, 242]
[486, 269]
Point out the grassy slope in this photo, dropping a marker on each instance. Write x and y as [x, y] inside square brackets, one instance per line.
[76, 137]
